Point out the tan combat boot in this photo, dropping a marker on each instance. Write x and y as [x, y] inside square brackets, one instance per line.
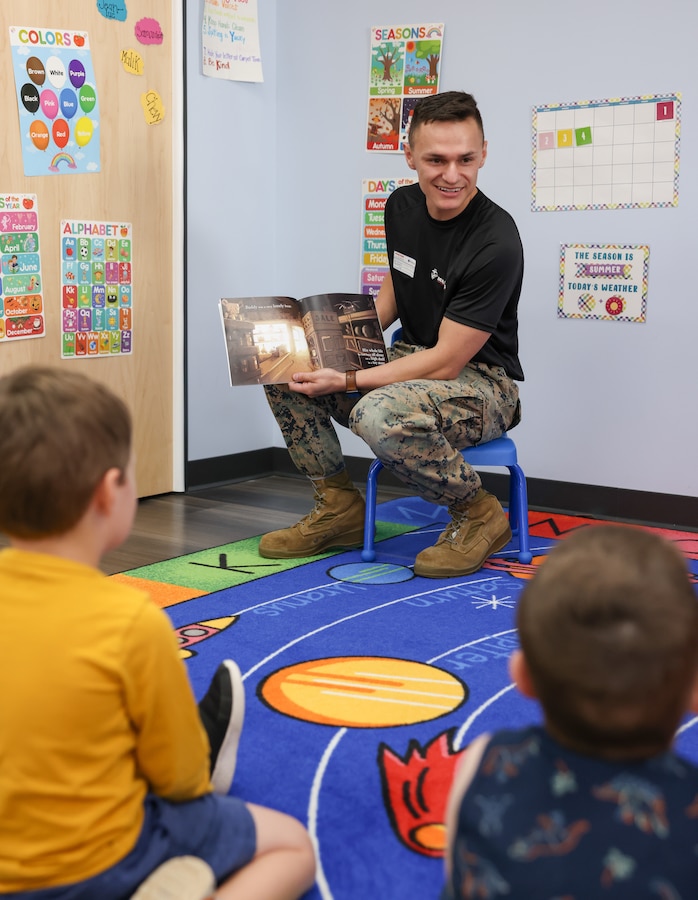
[474, 533]
[336, 520]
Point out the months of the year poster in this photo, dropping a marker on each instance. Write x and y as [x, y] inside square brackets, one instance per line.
[606, 154]
[21, 293]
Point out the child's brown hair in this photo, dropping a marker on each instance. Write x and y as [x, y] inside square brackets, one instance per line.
[609, 633]
[60, 431]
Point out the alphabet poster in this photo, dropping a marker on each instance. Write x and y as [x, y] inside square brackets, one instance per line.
[405, 64]
[96, 289]
[21, 295]
[607, 154]
[603, 281]
[57, 101]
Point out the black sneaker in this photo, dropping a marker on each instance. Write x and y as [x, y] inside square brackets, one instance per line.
[222, 711]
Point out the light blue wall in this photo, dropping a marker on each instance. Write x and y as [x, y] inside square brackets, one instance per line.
[232, 235]
[604, 403]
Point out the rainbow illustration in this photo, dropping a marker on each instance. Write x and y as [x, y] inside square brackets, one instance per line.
[62, 157]
[434, 32]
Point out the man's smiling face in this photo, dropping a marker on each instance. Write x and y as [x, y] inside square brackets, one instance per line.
[447, 157]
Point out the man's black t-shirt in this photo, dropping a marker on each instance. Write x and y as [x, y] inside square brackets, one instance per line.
[468, 269]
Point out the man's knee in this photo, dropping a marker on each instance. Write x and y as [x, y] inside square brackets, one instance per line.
[370, 419]
[383, 414]
[363, 421]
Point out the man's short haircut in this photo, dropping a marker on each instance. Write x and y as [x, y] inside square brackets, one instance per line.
[451, 106]
[60, 432]
[609, 631]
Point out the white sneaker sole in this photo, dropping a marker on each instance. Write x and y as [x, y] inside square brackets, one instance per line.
[180, 878]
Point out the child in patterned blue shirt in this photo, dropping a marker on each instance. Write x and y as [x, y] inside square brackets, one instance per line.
[593, 803]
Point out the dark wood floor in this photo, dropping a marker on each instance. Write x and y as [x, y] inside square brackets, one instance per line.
[173, 524]
[170, 525]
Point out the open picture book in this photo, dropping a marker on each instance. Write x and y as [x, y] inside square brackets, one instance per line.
[269, 338]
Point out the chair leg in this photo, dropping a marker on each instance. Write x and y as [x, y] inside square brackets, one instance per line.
[518, 502]
[368, 554]
[514, 511]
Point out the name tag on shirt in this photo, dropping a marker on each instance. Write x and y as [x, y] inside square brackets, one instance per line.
[404, 264]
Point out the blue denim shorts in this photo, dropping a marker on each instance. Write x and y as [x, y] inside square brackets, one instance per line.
[217, 829]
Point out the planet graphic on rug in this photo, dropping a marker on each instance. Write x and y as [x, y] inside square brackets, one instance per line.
[363, 691]
[371, 573]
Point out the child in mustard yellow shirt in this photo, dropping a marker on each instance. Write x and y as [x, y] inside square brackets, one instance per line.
[105, 766]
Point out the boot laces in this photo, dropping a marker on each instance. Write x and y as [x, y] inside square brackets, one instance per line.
[459, 520]
[317, 509]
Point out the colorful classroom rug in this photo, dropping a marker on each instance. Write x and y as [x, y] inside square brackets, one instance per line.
[363, 684]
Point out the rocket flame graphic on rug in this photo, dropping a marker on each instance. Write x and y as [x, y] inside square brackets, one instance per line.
[511, 566]
[415, 791]
[187, 635]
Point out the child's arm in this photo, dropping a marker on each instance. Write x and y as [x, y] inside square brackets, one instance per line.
[465, 772]
[171, 745]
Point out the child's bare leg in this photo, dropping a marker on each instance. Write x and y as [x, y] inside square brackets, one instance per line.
[283, 867]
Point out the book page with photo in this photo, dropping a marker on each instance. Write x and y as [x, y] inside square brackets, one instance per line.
[269, 338]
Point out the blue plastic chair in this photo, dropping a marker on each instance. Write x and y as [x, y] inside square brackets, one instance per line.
[499, 452]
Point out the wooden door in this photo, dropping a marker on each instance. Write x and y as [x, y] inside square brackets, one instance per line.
[135, 183]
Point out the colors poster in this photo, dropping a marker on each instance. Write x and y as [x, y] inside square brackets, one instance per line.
[57, 101]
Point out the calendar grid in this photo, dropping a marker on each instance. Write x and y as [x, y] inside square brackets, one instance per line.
[620, 153]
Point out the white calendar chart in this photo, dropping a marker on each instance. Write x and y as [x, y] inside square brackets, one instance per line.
[606, 154]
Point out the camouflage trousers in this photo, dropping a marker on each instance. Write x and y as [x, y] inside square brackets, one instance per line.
[415, 428]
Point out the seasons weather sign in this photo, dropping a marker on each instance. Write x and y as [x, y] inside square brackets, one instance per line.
[603, 281]
[57, 100]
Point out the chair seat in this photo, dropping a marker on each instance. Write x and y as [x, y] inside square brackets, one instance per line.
[499, 452]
